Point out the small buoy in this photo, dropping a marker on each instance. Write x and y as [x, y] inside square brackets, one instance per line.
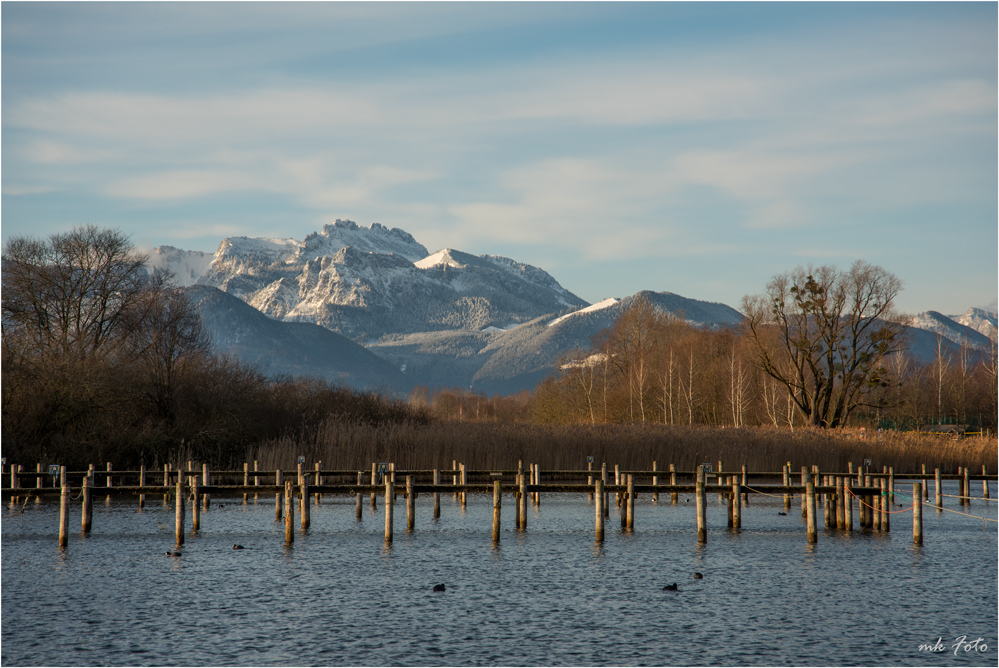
[238, 547]
[439, 587]
[174, 553]
[698, 576]
[671, 587]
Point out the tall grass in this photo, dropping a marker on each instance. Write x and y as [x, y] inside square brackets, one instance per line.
[350, 446]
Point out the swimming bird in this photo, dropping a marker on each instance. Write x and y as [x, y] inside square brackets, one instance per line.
[439, 587]
[698, 576]
[785, 514]
[173, 553]
[671, 587]
[238, 547]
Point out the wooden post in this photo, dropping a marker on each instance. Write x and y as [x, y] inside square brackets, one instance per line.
[840, 499]
[410, 505]
[730, 510]
[804, 481]
[246, 481]
[497, 504]
[64, 517]
[721, 496]
[206, 481]
[179, 502]
[985, 483]
[631, 502]
[289, 512]
[813, 533]
[306, 505]
[830, 522]
[603, 477]
[589, 478]
[966, 493]
[939, 491]
[787, 483]
[360, 481]
[869, 507]
[319, 482]
[885, 517]
[87, 506]
[617, 482]
[655, 481]
[437, 495]
[702, 527]
[598, 493]
[537, 481]
[374, 481]
[110, 484]
[454, 467]
[847, 505]
[673, 497]
[389, 494]
[522, 501]
[926, 484]
[256, 479]
[736, 504]
[166, 474]
[277, 497]
[917, 513]
[195, 507]
[623, 503]
[891, 484]
[876, 506]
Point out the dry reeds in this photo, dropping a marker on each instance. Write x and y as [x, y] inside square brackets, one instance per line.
[347, 446]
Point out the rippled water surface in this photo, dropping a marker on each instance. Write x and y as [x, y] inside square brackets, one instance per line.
[549, 596]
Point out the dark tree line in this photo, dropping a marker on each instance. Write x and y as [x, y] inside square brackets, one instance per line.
[105, 361]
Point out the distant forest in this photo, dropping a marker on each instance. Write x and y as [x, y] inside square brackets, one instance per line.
[104, 363]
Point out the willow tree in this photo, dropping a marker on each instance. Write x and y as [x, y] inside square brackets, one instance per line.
[825, 335]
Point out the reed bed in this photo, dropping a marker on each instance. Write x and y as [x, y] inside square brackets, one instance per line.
[347, 446]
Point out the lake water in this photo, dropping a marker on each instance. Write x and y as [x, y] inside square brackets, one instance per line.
[547, 597]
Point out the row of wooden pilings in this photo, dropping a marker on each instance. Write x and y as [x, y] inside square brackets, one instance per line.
[874, 493]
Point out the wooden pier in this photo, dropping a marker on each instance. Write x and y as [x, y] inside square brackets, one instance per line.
[872, 492]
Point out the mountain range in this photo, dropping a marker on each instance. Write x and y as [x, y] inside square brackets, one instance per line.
[370, 307]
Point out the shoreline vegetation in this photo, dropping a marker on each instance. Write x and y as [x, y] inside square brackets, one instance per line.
[346, 446]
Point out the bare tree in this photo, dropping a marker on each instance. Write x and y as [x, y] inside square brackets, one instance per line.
[836, 328]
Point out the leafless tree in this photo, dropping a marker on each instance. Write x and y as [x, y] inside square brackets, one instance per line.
[835, 327]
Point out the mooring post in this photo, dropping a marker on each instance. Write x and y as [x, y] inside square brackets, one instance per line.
[729, 508]
[87, 506]
[306, 505]
[655, 482]
[737, 504]
[374, 481]
[840, 500]
[206, 481]
[289, 512]
[179, 502]
[360, 481]
[598, 495]
[891, 484]
[847, 505]
[497, 504]
[917, 513]
[875, 509]
[256, 480]
[631, 502]
[142, 483]
[410, 505]
[617, 483]
[589, 478]
[319, 482]
[522, 502]
[702, 527]
[860, 476]
[13, 476]
[787, 483]
[966, 494]
[464, 481]
[246, 481]
[804, 481]
[64, 517]
[110, 484]
[985, 483]
[454, 467]
[389, 494]
[195, 507]
[603, 477]
[673, 496]
[437, 495]
[813, 533]
[885, 506]
[827, 508]
[277, 497]
[537, 481]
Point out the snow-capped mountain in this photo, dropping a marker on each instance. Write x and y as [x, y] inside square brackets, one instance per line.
[980, 320]
[367, 282]
[187, 266]
[950, 329]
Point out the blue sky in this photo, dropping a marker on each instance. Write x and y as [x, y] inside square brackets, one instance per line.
[696, 148]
